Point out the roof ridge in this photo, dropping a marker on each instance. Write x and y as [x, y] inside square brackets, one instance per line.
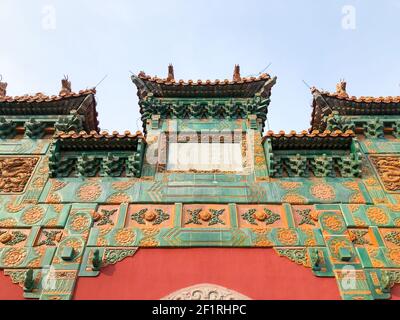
[367, 99]
[142, 75]
[97, 135]
[41, 97]
[312, 134]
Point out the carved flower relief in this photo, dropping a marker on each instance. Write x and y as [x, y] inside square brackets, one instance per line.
[323, 191]
[333, 223]
[377, 215]
[260, 216]
[33, 215]
[14, 257]
[125, 237]
[79, 223]
[90, 191]
[205, 215]
[144, 216]
[287, 236]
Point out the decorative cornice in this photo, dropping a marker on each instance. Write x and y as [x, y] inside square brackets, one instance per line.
[313, 140]
[97, 141]
[324, 103]
[83, 103]
[238, 87]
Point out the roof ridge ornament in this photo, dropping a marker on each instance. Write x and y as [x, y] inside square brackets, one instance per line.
[65, 86]
[236, 73]
[3, 87]
[341, 88]
[171, 76]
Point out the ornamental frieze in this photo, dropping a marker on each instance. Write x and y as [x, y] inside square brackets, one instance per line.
[90, 236]
[388, 168]
[15, 173]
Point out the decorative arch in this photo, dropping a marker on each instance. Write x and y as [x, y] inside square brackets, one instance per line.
[206, 291]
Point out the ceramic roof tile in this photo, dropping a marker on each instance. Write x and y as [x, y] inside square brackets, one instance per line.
[41, 97]
[325, 102]
[240, 87]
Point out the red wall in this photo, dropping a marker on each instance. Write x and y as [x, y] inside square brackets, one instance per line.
[8, 290]
[257, 273]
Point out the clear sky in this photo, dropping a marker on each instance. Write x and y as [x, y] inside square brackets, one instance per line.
[312, 40]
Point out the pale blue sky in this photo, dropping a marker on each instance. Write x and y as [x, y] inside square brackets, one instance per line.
[303, 39]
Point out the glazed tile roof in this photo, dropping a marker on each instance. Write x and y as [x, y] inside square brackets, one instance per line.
[41, 104]
[97, 141]
[325, 102]
[41, 97]
[238, 87]
[313, 140]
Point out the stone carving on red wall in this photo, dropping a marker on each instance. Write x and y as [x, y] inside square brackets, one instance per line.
[206, 292]
[15, 173]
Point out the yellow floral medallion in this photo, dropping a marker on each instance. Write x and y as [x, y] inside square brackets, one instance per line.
[89, 191]
[287, 236]
[124, 237]
[14, 257]
[79, 223]
[33, 215]
[333, 222]
[377, 215]
[323, 191]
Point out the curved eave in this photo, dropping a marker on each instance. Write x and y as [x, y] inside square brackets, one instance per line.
[324, 103]
[84, 141]
[245, 88]
[315, 140]
[39, 104]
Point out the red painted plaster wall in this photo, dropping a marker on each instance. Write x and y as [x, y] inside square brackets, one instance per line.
[257, 273]
[8, 290]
